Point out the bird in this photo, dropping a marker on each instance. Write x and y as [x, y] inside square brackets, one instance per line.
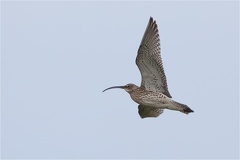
[153, 95]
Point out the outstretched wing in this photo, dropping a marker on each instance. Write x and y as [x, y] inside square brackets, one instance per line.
[149, 61]
[146, 111]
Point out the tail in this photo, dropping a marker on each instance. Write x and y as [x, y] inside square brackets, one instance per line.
[182, 107]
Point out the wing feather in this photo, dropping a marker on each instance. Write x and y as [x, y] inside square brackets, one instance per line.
[146, 111]
[149, 61]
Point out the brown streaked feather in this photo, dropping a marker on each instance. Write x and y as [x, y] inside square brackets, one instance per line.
[147, 111]
[149, 61]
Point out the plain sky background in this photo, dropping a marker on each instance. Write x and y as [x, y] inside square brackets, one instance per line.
[58, 56]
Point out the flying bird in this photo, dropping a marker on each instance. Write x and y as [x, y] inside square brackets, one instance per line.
[153, 95]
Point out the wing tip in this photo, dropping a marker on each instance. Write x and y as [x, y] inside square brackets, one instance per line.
[151, 20]
[153, 24]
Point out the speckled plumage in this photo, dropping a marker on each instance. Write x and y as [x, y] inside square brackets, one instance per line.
[149, 61]
[153, 95]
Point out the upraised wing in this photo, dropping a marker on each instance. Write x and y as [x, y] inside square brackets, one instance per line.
[146, 111]
[149, 61]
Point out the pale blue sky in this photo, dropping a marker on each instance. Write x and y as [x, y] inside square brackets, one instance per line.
[57, 57]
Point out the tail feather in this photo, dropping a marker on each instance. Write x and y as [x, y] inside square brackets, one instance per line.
[182, 107]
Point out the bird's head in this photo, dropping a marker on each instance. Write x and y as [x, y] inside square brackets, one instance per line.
[128, 87]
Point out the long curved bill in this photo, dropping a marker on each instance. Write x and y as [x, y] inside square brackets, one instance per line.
[113, 88]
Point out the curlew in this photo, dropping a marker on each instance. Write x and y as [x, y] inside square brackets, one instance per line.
[153, 95]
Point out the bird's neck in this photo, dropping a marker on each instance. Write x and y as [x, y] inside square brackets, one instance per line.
[137, 94]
